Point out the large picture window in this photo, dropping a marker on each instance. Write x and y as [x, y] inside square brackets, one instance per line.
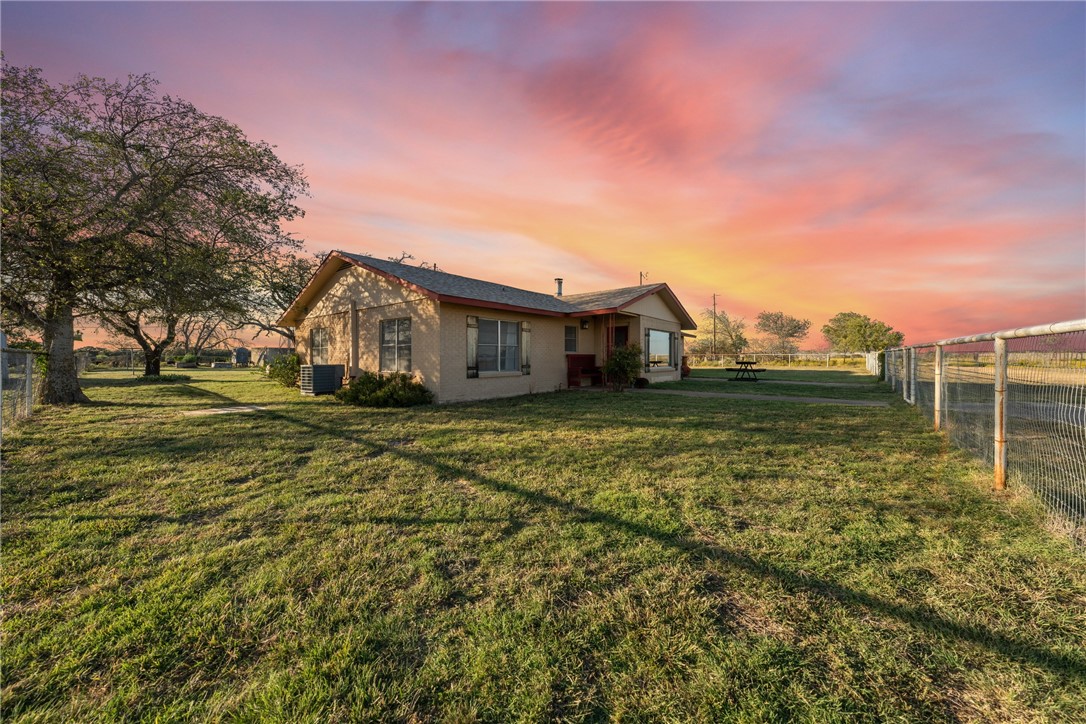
[318, 346]
[395, 345]
[499, 346]
[659, 349]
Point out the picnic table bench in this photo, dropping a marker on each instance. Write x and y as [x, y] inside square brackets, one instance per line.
[745, 371]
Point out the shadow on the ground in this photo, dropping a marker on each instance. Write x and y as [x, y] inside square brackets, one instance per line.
[918, 616]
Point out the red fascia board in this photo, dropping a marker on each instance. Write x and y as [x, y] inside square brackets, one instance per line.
[466, 302]
[675, 299]
[639, 297]
[595, 312]
[391, 277]
[306, 289]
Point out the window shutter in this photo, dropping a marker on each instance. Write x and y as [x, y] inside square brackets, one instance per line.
[473, 347]
[525, 348]
[647, 350]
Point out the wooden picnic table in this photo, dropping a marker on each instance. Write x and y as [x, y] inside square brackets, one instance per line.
[745, 371]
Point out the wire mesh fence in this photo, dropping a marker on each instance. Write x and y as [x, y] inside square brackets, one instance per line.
[1016, 399]
[19, 383]
[797, 359]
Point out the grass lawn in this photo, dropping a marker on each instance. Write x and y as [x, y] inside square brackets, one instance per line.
[569, 556]
[839, 384]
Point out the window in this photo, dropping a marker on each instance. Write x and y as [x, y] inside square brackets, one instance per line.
[571, 339]
[318, 346]
[659, 349]
[395, 345]
[498, 346]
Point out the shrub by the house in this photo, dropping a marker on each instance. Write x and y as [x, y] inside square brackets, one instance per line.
[394, 389]
[285, 370]
[623, 366]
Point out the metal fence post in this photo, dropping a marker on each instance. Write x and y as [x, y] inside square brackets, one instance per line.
[913, 369]
[1000, 413]
[28, 382]
[937, 412]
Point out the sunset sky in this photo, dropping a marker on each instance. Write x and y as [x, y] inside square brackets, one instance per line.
[921, 163]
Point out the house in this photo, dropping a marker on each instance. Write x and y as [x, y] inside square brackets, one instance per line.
[264, 356]
[468, 339]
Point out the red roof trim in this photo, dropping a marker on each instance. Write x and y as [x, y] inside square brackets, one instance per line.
[305, 289]
[390, 277]
[468, 302]
[663, 288]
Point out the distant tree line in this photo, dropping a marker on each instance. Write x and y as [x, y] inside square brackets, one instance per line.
[780, 333]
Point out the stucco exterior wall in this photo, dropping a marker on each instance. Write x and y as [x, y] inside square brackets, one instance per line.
[425, 338]
[548, 356]
[338, 325]
[375, 298]
[439, 336]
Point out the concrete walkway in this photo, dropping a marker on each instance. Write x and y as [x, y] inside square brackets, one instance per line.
[223, 410]
[768, 398]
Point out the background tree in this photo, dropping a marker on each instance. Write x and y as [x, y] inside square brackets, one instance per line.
[730, 334]
[783, 332]
[203, 330]
[273, 285]
[200, 282]
[93, 170]
[853, 332]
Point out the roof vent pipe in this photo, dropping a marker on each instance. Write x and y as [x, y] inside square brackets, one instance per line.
[558, 281]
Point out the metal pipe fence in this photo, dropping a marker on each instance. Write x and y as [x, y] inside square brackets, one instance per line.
[19, 385]
[1017, 400]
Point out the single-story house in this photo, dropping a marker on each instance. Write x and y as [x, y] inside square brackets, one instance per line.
[468, 339]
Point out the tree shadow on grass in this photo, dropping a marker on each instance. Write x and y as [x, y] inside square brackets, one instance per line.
[919, 616]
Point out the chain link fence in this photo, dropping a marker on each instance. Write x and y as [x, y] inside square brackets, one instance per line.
[1016, 399]
[19, 383]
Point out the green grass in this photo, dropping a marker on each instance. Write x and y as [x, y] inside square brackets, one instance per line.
[834, 384]
[562, 556]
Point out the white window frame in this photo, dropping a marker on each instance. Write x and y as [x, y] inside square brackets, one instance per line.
[501, 347]
[574, 339]
[396, 348]
[319, 343]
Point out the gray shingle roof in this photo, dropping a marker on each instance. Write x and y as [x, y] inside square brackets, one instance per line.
[608, 298]
[452, 285]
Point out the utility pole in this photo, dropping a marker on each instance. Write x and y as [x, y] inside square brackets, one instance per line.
[714, 323]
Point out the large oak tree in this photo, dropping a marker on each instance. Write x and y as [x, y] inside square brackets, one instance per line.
[97, 173]
[854, 332]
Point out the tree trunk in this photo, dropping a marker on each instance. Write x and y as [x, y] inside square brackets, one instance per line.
[61, 383]
[152, 361]
[153, 351]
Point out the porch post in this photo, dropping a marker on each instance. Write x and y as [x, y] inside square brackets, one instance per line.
[353, 371]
